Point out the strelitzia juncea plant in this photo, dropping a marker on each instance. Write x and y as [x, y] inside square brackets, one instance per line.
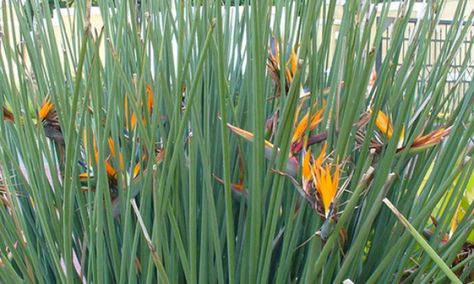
[234, 141]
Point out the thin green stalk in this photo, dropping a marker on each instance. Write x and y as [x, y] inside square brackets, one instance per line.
[156, 257]
[424, 244]
[257, 43]
[70, 158]
[360, 241]
[225, 149]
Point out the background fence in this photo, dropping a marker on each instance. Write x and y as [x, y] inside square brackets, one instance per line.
[461, 71]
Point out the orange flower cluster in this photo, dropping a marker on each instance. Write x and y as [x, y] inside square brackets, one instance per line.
[112, 172]
[319, 176]
[49, 119]
[421, 142]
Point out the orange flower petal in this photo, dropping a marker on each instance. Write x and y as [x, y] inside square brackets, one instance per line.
[373, 78]
[303, 124]
[149, 91]
[46, 109]
[122, 162]
[384, 124]
[110, 141]
[319, 160]
[292, 62]
[306, 167]
[326, 185]
[136, 171]
[111, 172]
[96, 151]
[133, 120]
[83, 175]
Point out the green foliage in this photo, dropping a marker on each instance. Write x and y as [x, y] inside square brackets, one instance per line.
[139, 171]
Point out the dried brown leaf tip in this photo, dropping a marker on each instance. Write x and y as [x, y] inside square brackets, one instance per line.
[8, 115]
[430, 139]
